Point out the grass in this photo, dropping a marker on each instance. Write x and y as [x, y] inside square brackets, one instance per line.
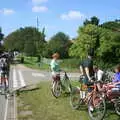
[31, 62]
[45, 107]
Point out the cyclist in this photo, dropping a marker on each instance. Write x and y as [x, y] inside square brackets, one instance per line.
[4, 69]
[55, 67]
[98, 73]
[86, 69]
[116, 77]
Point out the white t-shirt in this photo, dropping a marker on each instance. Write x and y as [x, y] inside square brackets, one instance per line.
[99, 75]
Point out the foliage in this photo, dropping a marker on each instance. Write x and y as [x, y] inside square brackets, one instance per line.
[87, 38]
[112, 25]
[28, 40]
[93, 20]
[58, 43]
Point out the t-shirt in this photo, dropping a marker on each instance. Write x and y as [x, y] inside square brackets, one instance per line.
[116, 77]
[89, 64]
[55, 67]
[99, 75]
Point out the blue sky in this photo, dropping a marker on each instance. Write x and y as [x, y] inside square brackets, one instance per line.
[55, 15]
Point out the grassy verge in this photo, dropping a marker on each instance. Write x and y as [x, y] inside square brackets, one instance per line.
[41, 105]
[45, 107]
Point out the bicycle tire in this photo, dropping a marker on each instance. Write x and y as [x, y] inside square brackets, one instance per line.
[98, 98]
[117, 107]
[56, 89]
[75, 99]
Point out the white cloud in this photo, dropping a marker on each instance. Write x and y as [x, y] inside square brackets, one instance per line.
[39, 9]
[7, 11]
[72, 15]
[39, 1]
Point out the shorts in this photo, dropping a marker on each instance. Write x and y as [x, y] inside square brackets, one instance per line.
[56, 77]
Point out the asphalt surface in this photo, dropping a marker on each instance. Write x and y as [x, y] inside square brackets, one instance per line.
[21, 76]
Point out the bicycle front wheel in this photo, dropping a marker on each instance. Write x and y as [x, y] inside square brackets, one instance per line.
[75, 98]
[56, 89]
[96, 107]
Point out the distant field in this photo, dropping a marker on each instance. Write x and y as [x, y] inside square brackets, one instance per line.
[41, 105]
[70, 65]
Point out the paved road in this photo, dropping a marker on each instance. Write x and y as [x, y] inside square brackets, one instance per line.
[21, 76]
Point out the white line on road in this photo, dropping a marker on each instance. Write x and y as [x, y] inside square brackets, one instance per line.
[15, 84]
[22, 81]
[38, 75]
[6, 110]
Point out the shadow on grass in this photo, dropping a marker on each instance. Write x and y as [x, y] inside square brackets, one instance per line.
[27, 89]
[110, 113]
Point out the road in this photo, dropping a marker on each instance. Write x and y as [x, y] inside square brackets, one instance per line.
[21, 76]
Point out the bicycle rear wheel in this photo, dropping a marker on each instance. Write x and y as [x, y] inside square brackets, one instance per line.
[96, 107]
[117, 106]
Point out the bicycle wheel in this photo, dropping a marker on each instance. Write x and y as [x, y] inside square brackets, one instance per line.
[56, 89]
[75, 98]
[96, 108]
[117, 107]
[66, 85]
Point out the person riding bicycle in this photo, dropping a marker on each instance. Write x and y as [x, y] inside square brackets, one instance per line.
[116, 77]
[55, 67]
[4, 68]
[98, 73]
[115, 81]
[86, 69]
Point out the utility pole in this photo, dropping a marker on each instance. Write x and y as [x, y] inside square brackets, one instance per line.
[37, 23]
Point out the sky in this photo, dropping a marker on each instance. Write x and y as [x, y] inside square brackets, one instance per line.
[55, 15]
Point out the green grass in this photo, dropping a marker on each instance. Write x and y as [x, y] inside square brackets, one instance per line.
[45, 107]
[31, 62]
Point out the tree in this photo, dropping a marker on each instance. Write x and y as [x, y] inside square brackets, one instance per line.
[28, 40]
[109, 50]
[93, 20]
[88, 38]
[112, 25]
[58, 43]
[1, 38]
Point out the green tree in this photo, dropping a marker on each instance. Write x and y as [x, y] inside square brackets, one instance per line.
[88, 37]
[58, 43]
[109, 50]
[26, 40]
[93, 20]
[112, 25]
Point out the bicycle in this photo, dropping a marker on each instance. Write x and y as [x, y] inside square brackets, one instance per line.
[4, 76]
[80, 96]
[62, 85]
[4, 84]
[111, 94]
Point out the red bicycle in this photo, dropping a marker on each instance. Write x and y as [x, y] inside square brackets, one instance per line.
[111, 93]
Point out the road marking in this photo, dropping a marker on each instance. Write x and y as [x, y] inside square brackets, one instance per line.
[6, 110]
[38, 75]
[15, 84]
[22, 81]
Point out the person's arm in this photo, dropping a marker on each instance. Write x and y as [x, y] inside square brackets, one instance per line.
[81, 70]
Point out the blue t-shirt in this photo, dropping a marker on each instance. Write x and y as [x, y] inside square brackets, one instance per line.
[116, 77]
